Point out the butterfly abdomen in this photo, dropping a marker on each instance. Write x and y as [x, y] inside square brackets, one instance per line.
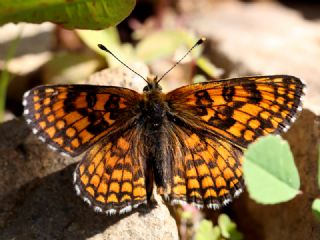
[154, 111]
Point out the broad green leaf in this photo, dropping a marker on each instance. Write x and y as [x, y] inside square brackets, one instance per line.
[206, 231]
[84, 14]
[111, 39]
[316, 208]
[108, 37]
[270, 172]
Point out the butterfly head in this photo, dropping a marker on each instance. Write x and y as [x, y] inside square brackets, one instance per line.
[153, 84]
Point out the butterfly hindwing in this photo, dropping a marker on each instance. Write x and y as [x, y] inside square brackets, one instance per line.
[70, 118]
[206, 171]
[242, 109]
[111, 177]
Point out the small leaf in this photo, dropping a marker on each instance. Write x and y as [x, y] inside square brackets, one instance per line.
[316, 208]
[270, 172]
[89, 14]
[225, 225]
[206, 231]
[228, 228]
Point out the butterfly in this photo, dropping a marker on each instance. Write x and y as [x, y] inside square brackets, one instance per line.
[189, 142]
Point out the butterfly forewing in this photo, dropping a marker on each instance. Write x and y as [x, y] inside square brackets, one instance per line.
[71, 118]
[239, 110]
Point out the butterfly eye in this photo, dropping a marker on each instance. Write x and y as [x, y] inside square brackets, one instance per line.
[146, 88]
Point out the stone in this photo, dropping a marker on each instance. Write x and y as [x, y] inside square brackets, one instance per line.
[261, 38]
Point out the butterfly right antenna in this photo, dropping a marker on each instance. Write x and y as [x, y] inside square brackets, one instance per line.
[102, 47]
[199, 42]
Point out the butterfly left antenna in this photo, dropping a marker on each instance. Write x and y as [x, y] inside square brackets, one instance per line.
[102, 47]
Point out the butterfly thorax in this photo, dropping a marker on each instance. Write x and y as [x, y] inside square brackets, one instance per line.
[153, 106]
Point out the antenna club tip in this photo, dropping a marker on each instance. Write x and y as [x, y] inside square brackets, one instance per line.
[201, 40]
[102, 47]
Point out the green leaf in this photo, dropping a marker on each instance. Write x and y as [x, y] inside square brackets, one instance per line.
[111, 39]
[270, 172]
[225, 225]
[316, 208]
[228, 228]
[207, 231]
[108, 37]
[84, 14]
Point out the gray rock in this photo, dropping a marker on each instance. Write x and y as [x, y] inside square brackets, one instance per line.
[261, 38]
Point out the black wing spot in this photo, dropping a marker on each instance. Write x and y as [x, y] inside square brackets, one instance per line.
[203, 98]
[91, 100]
[228, 93]
[255, 95]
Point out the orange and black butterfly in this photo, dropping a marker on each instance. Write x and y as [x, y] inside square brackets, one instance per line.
[189, 142]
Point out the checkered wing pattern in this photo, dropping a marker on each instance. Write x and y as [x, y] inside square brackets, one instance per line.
[189, 142]
[212, 122]
[242, 109]
[206, 170]
[110, 177]
[71, 118]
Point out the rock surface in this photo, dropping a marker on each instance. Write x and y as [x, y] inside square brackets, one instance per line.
[261, 38]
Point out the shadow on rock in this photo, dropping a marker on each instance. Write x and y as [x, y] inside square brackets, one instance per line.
[49, 208]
